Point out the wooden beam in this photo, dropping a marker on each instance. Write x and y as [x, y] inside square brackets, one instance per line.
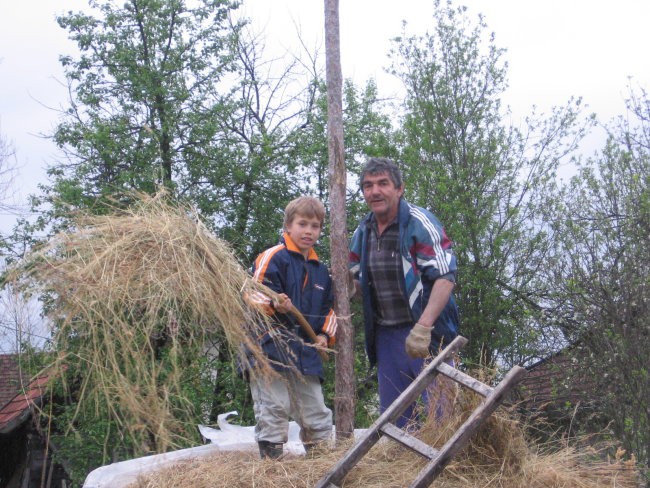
[407, 440]
[465, 380]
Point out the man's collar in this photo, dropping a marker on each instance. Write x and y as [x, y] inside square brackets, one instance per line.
[373, 221]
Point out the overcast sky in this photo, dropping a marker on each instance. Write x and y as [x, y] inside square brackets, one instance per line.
[555, 49]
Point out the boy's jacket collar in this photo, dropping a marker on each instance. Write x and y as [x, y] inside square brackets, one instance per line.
[291, 246]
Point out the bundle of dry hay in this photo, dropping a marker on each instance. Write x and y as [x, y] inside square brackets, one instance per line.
[135, 295]
[500, 455]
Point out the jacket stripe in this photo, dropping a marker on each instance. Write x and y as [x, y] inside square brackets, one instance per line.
[259, 301]
[262, 262]
[436, 239]
[330, 325]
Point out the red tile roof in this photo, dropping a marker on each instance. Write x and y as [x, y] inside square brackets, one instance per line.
[12, 378]
[555, 382]
[17, 397]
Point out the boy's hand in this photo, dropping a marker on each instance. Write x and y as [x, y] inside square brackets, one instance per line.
[321, 340]
[282, 304]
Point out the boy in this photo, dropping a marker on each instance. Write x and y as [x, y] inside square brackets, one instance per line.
[292, 270]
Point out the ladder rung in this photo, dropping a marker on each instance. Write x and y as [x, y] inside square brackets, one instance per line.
[409, 441]
[464, 379]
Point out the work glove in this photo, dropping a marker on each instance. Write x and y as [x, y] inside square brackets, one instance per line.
[418, 340]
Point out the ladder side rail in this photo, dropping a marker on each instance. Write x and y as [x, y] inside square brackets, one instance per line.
[340, 470]
[462, 435]
[420, 383]
[465, 380]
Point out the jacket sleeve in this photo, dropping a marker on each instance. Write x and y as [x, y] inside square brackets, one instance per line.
[330, 323]
[431, 247]
[354, 257]
[267, 270]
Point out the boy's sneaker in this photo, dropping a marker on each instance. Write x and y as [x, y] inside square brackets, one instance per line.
[315, 449]
[270, 450]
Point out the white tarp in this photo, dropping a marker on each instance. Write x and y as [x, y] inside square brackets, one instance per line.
[119, 475]
[237, 438]
[227, 437]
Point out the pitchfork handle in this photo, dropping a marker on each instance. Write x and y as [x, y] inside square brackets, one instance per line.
[307, 328]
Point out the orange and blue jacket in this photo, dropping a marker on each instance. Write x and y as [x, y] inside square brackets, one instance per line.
[308, 284]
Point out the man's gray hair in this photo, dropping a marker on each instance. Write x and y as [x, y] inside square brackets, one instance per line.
[375, 166]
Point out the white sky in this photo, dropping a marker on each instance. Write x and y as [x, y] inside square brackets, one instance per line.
[556, 49]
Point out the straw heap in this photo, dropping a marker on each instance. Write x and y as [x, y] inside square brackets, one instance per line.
[135, 296]
[500, 455]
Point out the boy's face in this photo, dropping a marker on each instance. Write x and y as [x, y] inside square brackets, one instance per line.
[304, 232]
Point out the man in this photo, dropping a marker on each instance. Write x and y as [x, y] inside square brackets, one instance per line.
[406, 271]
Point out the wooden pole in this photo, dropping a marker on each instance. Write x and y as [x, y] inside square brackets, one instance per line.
[345, 393]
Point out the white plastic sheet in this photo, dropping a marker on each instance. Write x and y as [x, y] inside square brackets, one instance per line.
[237, 438]
[119, 475]
[227, 437]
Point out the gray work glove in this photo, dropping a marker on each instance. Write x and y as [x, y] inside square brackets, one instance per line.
[418, 340]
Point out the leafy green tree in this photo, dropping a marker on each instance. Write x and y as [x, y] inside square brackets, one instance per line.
[253, 172]
[142, 97]
[601, 269]
[367, 132]
[175, 95]
[144, 90]
[487, 182]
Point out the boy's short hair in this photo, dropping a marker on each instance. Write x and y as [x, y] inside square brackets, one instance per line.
[375, 166]
[305, 206]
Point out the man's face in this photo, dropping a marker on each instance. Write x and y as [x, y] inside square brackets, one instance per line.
[381, 195]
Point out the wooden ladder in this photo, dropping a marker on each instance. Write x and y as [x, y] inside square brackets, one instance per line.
[438, 459]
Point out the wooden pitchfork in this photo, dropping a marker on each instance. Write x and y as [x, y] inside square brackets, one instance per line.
[302, 321]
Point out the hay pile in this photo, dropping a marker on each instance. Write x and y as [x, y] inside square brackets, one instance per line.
[498, 456]
[135, 297]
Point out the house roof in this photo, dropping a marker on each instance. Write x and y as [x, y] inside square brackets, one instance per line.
[556, 380]
[11, 377]
[17, 396]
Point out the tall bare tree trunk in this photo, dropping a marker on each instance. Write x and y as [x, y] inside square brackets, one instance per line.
[344, 384]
